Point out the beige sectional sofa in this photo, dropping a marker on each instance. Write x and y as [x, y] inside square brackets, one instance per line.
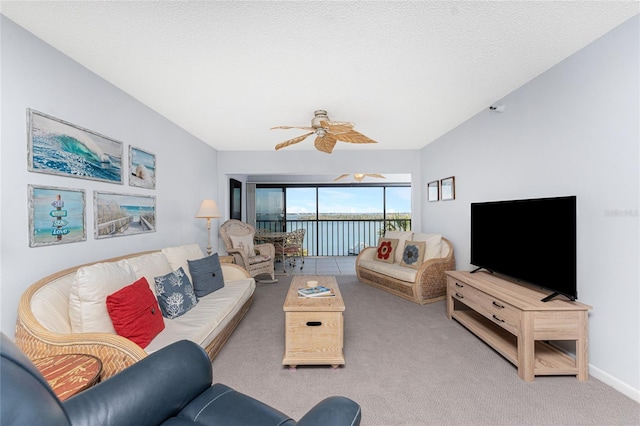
[426, 283]
[66, 312]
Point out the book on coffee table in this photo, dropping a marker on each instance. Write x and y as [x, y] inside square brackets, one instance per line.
[317, 291]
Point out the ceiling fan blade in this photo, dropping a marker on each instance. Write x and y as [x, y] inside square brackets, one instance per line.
[353, 137]
[337, 126]
[326, 143]
[292, 127]
[293, 141]
[342, 176]
[375, 175]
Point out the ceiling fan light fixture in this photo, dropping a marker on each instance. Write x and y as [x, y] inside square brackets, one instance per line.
[320, 115]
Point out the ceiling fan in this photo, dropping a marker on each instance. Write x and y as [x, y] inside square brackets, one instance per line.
[327, 133]
[359, 176]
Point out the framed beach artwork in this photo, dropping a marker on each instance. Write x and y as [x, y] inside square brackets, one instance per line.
[142, 168]
[60, 148]
[448, 188]
[433, 191]
[123, 214]
[56, 215]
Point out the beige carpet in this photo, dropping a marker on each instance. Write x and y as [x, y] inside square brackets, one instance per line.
[407, 364]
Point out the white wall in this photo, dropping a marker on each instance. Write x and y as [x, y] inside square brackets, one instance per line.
[573, 130]
[34, 75]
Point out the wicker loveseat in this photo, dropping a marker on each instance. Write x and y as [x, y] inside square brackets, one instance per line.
[424, 285]
[44, 325]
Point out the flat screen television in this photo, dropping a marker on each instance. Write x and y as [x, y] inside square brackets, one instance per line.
[533, 241]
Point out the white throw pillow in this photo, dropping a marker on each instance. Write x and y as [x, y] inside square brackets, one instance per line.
[402, 236]
[434, 244]
[244, 242]
[88, 294]
[150, 266]
[178, 256]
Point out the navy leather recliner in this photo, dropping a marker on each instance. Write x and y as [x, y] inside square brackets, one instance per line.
[169, 387]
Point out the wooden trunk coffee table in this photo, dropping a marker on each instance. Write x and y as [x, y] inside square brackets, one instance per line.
[314, 326]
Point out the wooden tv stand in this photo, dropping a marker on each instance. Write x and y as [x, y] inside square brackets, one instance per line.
[512, 319]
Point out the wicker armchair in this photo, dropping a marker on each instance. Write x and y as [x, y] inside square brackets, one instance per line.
[257, 261]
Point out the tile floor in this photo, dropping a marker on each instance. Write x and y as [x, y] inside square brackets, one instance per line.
[339, 265]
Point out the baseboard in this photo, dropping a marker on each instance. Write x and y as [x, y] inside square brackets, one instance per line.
[618, 385]
[606, 378]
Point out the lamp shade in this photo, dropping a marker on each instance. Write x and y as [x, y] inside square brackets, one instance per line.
[208, 209]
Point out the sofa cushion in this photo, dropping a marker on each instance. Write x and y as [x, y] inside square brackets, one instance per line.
[394, 270]
[413, 254]
[434, 244]
[178, 256]
[244, 242]
[175, 294]
[150, 266]
[135, 313]
[386, 250]
[88, 294]
[207, 275]
[402, 236]
[208, 318]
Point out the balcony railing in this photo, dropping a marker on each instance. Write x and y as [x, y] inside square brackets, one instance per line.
[337, 237]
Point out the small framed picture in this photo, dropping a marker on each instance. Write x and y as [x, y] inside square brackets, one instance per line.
[448, 188]
[56, 215]
[123, 214]
[433, 191]
[142, 168]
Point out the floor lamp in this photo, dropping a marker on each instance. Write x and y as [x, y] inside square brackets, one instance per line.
[208, 210]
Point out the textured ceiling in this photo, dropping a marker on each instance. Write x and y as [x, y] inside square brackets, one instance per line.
[404, 72]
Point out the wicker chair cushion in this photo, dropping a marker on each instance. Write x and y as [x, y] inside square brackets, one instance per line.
[88, 294]
[244, 242]
[254, 260]
[394, 270]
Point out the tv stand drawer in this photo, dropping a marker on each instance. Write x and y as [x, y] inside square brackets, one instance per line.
[492, 308]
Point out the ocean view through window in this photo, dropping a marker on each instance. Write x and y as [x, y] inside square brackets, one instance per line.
[338, 220]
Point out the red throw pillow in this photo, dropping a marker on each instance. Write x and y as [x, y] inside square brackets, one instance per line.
[135, 313]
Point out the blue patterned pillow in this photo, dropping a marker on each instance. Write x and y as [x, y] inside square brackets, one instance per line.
[175, 294]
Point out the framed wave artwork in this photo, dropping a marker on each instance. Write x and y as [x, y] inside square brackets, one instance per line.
[60, 148]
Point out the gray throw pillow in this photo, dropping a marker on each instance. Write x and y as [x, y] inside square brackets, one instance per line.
[175, 294]
[206, 274]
